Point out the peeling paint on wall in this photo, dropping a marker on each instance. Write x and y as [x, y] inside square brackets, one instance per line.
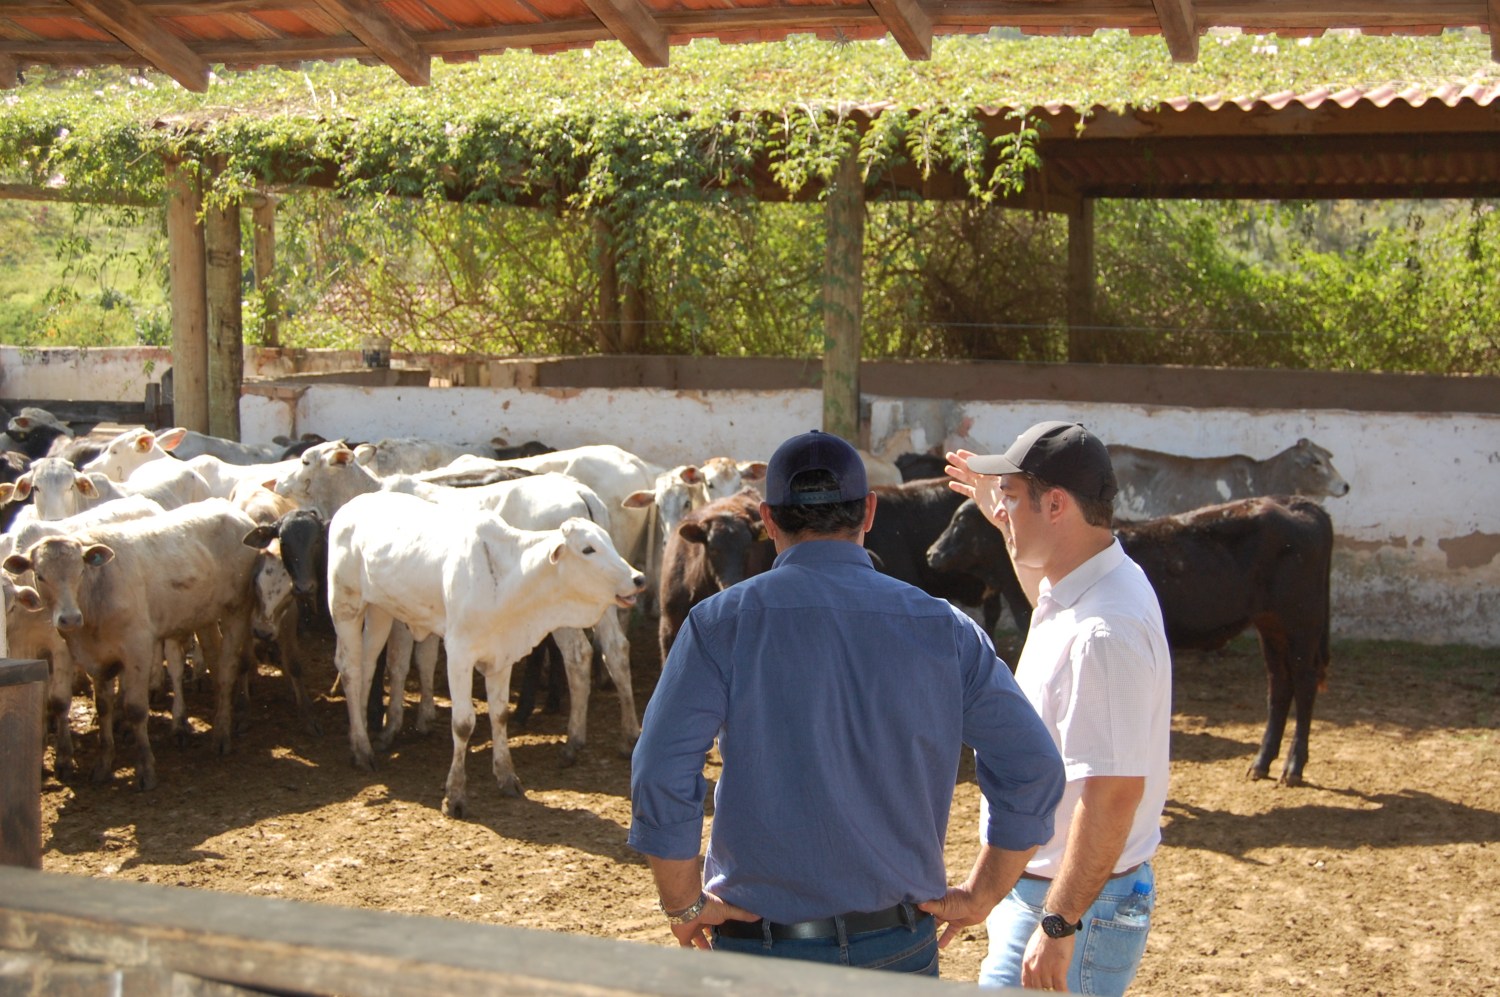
[1473, 551]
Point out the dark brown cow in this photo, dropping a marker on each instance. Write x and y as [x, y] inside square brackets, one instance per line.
[1258, 562]
[713, 547]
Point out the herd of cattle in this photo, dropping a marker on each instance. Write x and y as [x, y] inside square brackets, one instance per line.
[120, 555]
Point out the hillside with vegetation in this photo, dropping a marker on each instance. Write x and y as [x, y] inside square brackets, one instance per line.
[662, 156]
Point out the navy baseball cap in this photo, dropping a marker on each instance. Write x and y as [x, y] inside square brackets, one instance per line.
[1063, 454]
[815, 451]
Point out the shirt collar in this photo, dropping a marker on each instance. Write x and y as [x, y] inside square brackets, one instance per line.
[1071, 587]
[824, 552]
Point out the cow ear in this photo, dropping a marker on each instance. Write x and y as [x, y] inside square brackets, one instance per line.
[754, 470]
[556, 553]
[169, 438]
[22, 489]
[86, 486]
[693, 532]
[7, 492]
[688, 474]
[365, 454]
[95, 555]
[29, 598]
[639, 500]
[260, 537]
[340, 456]
[17, 564]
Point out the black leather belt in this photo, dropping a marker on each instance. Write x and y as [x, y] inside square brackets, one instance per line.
[826, 927]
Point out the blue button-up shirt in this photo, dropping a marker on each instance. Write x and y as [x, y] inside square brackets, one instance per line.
[841, 698]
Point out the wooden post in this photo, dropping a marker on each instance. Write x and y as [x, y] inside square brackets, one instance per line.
[1083, 335]
[843, 278]
[263, 247]
[609, 286]
[226, 339]
[23, 687]
[189, 302]
[632, 317]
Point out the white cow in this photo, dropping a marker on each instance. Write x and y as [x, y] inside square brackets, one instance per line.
[410, 455]
[116, 592]
[492, 592]
[58, 489]
[725, 476]
[540, 502]
[325, 477]
[194, 444]
[138, 459]
[676, 493]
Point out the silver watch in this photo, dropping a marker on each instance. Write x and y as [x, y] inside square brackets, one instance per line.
[689, 913]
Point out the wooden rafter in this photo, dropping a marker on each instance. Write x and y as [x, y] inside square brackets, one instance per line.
[909, 25]
[1179, 27]
[632, 23]
[144, 35]
[383, 37]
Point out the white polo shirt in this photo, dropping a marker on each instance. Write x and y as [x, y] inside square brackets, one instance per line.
[1097, 669]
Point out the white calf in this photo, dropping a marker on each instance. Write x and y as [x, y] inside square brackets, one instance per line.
[492, 592]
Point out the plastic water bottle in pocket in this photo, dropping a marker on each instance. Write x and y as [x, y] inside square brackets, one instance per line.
[1136, 908]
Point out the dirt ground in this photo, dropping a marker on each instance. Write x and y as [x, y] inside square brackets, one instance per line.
[1378, 877]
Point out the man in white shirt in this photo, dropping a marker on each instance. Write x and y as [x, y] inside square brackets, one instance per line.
[1097, 669]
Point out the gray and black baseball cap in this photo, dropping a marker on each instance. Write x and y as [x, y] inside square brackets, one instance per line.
[1063, 454]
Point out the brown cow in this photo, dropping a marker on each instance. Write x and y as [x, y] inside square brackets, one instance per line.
[713, 547]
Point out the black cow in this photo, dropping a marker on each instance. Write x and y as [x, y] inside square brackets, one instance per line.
[1259, 562]
[908, 518]
[714, 546]
[919, 466]
[971, 545]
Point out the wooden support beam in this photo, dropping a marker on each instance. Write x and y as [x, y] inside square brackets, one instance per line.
[608, 332]
[263, 250]
[909, 25]
[141, 32]
[226, 339]
[10, 73]
[382, 36]
[23, 687]
[843, 284]
[1179, 26]
[1083, 333]
[632, 23]
[188, 275]
[1494, 12]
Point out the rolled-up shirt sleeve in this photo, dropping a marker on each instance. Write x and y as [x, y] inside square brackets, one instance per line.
[1017, 763]
[667, 787]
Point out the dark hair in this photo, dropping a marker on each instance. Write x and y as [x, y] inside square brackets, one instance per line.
[824, 518]
[1095, 512]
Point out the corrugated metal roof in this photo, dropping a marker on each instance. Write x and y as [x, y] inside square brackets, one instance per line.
[183, 38]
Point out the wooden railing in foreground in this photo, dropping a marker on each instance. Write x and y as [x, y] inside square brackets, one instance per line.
[74, 935]
[23, 690]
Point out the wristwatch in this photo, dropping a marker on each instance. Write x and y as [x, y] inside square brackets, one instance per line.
[688, 913]
[1057, 926]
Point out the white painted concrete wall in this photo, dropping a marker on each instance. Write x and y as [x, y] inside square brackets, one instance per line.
[1418, 553]
[92, 374]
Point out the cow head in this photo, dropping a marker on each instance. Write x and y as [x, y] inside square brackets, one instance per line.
[677, 492]
[58, 566]
[593, 570]
[1315, 473]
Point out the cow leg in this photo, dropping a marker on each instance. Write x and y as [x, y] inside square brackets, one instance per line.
[176, 654]
[497, 695]
[104, 715]
[1304, 668]
[616, 648]
[60, 709]
[461, 691]
[426, 654]
[289, 646]
[234, 629]
[140, 658]
[578, 661]
[348, 659]
[398, 649]
[1278, 702]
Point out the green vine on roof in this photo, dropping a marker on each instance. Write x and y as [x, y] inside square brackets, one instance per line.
[593, 130]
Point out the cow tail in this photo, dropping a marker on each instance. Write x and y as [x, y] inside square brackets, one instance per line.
[1325, 524]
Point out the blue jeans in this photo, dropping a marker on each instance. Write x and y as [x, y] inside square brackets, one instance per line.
[898, 950]
[1106, 954]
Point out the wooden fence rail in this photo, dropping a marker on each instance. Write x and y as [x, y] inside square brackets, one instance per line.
[69, 934]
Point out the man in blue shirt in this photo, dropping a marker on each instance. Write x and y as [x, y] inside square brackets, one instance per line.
[841, 699]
